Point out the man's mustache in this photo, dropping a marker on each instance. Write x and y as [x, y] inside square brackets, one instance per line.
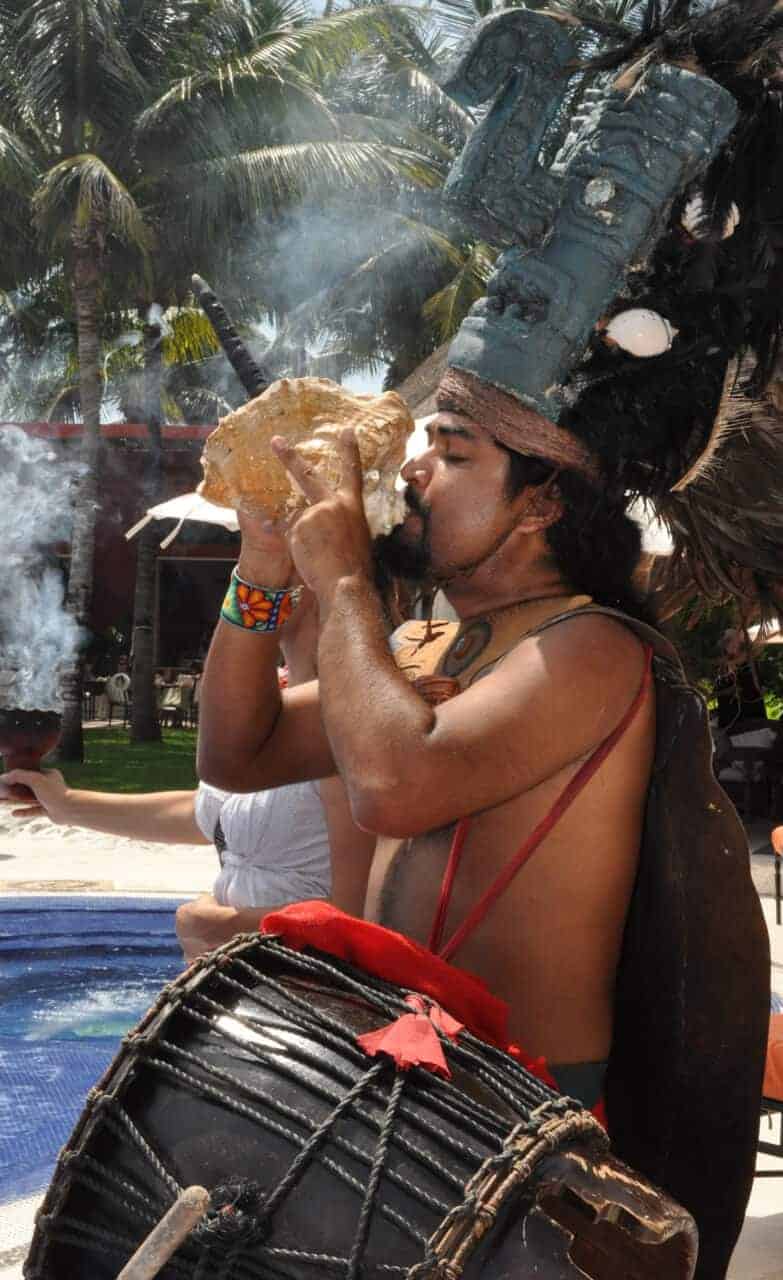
[415, 502]
[404, 554]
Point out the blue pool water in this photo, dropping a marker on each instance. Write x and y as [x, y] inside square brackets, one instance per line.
[75, 975]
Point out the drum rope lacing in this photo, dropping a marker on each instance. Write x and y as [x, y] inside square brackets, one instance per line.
[233, 1241]
[448, 1249]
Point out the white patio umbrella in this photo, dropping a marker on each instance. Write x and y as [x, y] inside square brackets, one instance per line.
[188, 506]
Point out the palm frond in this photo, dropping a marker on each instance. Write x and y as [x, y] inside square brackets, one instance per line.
[328, 44]
[413, 250]
[163, 35]
[203, 404]
[209, 122]
[272, 177]
[65, 404]
[83, 190]
[362, 127]
[320, 47]
[191, 336]
[17, 165]
[457, 18]
[446, 309]
[76, 68]
[426, 100]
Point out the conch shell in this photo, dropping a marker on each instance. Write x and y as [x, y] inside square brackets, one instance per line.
[240, 469]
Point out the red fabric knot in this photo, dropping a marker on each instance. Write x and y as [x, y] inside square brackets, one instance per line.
[412, 1039]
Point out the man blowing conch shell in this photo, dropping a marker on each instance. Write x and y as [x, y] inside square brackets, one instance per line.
[541, 684]
[545, 810]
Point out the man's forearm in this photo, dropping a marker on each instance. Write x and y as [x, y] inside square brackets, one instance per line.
[239, 702]
[373, 717]
[204, 924]
[240, 693]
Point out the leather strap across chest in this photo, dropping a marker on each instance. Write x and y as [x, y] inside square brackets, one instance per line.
[426, 650]
[515, 864]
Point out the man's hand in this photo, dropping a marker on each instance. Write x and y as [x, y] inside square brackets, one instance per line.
[330, 540]
[204, 924]
[265, 558]
[49, 793]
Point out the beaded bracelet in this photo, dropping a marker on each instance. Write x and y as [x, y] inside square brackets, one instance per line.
[261, 609]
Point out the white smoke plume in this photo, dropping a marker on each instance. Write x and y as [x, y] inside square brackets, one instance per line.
[38, 638]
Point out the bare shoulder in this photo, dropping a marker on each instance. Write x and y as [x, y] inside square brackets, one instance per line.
[586, 667]
[541, 710]
[602, 642]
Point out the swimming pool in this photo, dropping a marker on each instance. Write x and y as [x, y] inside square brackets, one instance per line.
[75, 974]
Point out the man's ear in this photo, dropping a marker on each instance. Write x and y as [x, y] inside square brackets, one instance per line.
[541, 506]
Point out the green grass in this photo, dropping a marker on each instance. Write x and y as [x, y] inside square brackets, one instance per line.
[113, 763]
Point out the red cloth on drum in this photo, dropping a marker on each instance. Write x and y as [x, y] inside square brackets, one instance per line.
[394, 958]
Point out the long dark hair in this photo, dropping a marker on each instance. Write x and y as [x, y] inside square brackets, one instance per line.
[595, 543]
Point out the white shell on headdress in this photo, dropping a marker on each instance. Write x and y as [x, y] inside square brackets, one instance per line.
[641, 332]
[693, 213]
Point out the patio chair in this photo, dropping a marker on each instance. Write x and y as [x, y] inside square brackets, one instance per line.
[170, 706]
[118, 694]
[749, 766]
[194, 703]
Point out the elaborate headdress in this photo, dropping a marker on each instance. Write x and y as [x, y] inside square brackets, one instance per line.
[638, 311]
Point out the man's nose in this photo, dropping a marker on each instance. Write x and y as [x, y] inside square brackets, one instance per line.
[416, 471]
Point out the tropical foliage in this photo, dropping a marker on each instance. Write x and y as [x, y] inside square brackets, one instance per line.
[295, 160]
[382, 285]
[138, 138]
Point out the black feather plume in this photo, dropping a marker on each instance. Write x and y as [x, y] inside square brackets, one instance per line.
[655, 421]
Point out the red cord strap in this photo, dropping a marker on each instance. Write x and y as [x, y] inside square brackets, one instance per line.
[536, 837]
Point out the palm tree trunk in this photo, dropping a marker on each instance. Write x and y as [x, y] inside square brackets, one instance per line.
[145, 726]
[86, 282]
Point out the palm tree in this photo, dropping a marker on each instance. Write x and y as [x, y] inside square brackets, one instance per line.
[378, 284]
[144, 135]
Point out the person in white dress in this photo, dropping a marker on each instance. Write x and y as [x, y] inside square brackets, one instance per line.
[274, 846]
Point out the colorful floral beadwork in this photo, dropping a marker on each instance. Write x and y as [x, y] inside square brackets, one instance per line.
[258, 608]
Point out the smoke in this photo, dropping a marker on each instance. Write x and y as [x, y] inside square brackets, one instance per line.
[157, 316]
[38, 638]
[342, 282]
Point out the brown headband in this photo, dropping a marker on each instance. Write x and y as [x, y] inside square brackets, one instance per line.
[512, 423]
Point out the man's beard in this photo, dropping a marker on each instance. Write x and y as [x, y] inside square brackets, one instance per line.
[400, 554]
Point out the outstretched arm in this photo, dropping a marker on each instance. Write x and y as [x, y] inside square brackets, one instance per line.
[166, 817]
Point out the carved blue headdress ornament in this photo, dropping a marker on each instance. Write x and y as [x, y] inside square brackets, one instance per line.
[638, 306]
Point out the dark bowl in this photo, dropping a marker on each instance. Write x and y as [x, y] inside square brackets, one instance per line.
[27, 736]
